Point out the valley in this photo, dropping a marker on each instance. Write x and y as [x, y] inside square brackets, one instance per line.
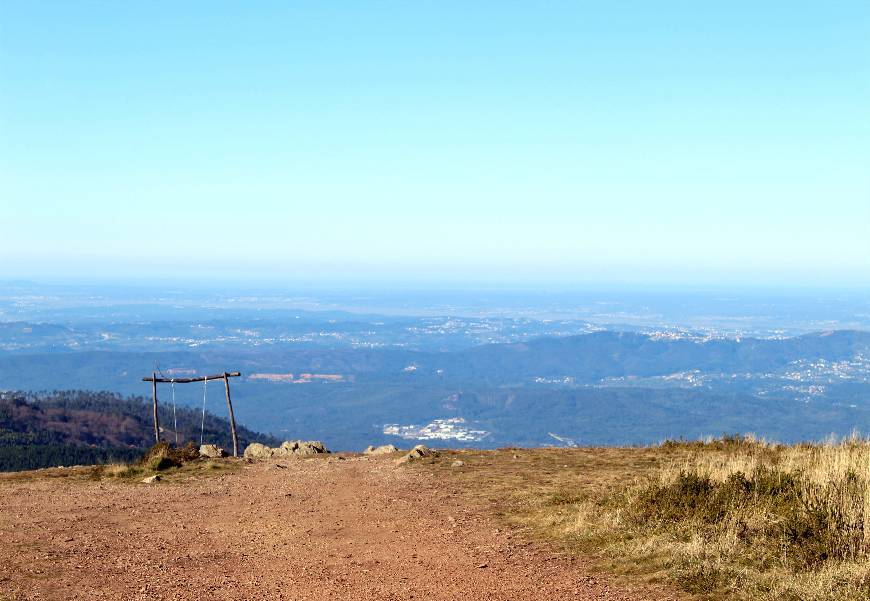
[577, 371]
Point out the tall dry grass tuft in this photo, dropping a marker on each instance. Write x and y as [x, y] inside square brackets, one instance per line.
[744, 518]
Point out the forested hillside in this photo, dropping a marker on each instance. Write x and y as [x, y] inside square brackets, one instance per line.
[83, 427]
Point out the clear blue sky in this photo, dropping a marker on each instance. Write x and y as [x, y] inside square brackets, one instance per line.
[575, 142]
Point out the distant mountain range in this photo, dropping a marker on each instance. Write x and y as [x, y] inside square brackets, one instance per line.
[604, 387]
[599, 355]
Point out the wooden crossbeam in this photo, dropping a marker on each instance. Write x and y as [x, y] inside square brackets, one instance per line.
[154, 378]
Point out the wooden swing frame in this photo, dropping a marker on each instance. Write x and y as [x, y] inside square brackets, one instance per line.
[224, 376]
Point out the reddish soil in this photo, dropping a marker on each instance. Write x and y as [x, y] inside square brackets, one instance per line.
[360, 528]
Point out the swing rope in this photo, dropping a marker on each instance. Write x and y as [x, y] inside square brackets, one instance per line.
[174, 418]
[202, 423]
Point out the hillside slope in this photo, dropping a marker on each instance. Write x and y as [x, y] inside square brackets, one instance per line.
[81, 427]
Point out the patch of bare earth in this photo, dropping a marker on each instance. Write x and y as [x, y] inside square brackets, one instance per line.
[323, 528]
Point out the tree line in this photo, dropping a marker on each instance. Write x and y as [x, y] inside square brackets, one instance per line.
[73, 427]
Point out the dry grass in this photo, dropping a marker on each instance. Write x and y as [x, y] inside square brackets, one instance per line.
[170, 463]
[733, 518]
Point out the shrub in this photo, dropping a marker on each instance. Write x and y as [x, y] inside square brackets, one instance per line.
[739, 518]
[163, 456]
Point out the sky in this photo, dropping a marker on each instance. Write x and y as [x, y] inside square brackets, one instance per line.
[564, 143]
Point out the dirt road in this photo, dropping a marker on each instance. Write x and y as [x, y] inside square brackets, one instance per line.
[360, 528]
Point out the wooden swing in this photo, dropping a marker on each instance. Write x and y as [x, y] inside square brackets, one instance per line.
[204, 379]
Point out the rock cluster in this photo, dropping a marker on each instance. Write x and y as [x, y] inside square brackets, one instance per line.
[211, 451]
[288, 448]
[255, 450]
[417, 452]
[300, 447]
[381, 450]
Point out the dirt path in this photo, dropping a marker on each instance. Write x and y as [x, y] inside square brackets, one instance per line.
[361, 528]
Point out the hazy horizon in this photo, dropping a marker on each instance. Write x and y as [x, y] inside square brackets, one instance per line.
[362, 284]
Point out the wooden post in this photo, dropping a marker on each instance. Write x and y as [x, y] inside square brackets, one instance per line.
[232, 417]
[154, 397]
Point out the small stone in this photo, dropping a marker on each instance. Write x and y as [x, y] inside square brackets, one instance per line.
[417, 452]
[381, 450]
[151, 479]
[457, 463]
